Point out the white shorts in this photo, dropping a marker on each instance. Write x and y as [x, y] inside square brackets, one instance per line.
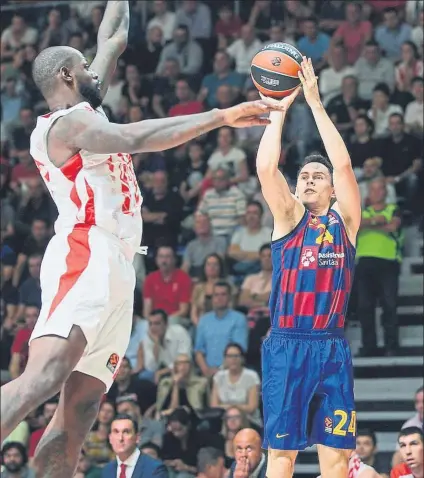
[88, 280]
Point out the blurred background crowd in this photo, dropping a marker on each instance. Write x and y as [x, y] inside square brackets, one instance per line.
[191, 376]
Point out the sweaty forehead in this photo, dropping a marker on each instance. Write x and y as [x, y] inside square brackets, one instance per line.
[311, 168]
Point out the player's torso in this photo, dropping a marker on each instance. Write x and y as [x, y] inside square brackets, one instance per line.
[312, 274]
[92, 189]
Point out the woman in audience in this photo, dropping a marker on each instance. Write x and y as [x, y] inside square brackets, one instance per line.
[96, 445]
[409, 67]
[184, 388]
[201, 298]
[234, 420]
[237, 385]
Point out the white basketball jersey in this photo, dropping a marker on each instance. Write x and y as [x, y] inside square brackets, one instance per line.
[92, 189]
[356, 467]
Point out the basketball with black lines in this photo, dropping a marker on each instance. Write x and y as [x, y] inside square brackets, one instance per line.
[275, 69]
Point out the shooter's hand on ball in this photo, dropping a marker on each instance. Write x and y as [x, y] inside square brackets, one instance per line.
[250, 113]
[309, 83]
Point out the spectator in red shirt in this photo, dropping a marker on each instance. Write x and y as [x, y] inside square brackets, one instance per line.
[49, 409]
[411, 449]
[228, 26]
[353, 32]
[168, 288]
[20, 344]
[187, 105]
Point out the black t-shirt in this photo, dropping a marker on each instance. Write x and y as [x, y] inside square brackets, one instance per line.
[398, 156]
[143, 391]
[360, 152]
[338, 108]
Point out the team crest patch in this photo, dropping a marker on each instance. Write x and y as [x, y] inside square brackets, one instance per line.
[113, 362]
[328, 425]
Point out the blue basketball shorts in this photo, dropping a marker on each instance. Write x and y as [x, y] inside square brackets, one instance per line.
[307, 390]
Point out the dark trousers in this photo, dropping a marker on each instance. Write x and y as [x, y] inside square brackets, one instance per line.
[377, 281]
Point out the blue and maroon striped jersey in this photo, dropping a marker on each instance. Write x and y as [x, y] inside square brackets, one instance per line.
[312, 274]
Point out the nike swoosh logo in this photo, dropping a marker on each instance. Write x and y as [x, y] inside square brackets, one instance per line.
[282, 436]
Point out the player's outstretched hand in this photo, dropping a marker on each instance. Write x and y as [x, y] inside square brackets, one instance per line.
[309, 82]
[250, 113]
[285, 102]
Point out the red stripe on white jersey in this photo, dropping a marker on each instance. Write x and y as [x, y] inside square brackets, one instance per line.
[76, 263]
[72, 167]
[90, 215]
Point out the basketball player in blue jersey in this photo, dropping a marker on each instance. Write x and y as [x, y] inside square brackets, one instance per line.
[306, 361]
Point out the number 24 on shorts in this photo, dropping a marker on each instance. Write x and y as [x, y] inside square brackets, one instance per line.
[337, 426]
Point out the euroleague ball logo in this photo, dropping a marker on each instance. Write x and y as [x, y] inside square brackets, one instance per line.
[307, 258]
[276, 61]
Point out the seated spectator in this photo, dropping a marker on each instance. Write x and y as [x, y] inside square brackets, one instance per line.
[49, 409]
[256, 288]
[55, 33]
[330, 78]
[222, 75]
[367, 450]
[36, 202]
[247, 240]
[267, 218]
[187, 105]
[417, 32]
[247, 447]
[160, 348]
[344, 108]
[128, 385]
[227, 27]
[331, 15]
[85, 469]
[151, 449]
[15, 36]
[186, 51]
[166, 78]
[411, 450]
[196, 16]
[229, 156]
[354, 32]
[237, 385]
[182, 443]
[224, 204]
[163, 18]
[244, 49]
[372, 69]
[371, 170]
[408, 68]
[20, 347]
[263, 15]
[392, 34]
[14, 460]
[201, 247]
[136, 88]
[377, 274]
[278, 34]
[139, 330]
[96, 445]
[150, 430]
[417, 419]
[168, 288]
[182, 389]
[362, 145]
[13, 100]
[210, 463]
[225, 97]
[414, 113]
[24, 169]
[148, 57]
[234, 420]
[162, 211]
[213, 271]
[217, 329]
[30, 290]
[381, 110]
[20, 132]
[314, 44]
[128, 456]
[402, 162]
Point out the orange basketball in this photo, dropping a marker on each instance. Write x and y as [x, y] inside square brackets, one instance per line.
[274, 69]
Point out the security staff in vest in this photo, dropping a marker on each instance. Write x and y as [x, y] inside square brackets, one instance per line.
[378, 252]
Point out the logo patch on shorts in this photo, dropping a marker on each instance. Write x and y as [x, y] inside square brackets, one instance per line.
[113, 362]
[328, 425]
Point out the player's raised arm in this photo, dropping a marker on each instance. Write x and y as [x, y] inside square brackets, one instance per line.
[87, 130]
[112, 40]
[274, 186]
[345, 185]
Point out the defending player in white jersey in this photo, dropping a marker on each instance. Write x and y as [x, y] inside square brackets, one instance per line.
[87, 278]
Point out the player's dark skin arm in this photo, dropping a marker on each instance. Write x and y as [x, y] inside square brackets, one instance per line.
[112, 39]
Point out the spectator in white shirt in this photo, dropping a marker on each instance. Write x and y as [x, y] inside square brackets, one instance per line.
[330, 79]
[161, 346]
[382, 109]
[417, 33]
[164, 19]
[414, 113]
[244, 49]
[417, 419]
[247, 240]
[197, 18]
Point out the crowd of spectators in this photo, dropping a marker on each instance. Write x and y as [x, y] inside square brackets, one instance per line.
[191, 376]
